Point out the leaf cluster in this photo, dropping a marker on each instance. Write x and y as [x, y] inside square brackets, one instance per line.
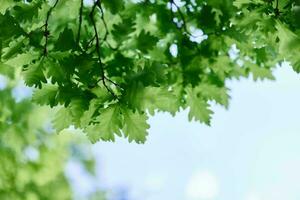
[109, 65]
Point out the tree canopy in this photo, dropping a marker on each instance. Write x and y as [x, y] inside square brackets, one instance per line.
[109, 64]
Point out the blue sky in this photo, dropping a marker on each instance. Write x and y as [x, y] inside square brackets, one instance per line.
[250, 152]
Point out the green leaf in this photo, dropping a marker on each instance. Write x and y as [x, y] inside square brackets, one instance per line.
[121, 31]
[288, 41]
[10, 28]
[135, 126]
[77, 107]
[296, 65]
[65, 40]
[88, 114]
[213, 92]
[114, 6]
[22, 59]
[152, 98]
[108, 124]
[146, 41]
[199, 108]
[159, 98]
[34, 75]
[259, 72]
[46, 96]
[14, 48]
[207, 18]
[26, 12]
[55, 72]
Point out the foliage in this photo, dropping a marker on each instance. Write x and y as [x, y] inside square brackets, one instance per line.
[32, 157]
[110, 65]
[31, 167]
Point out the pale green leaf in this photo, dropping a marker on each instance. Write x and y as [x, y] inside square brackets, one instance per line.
[199, 108]
[135, 126]
[108, 124]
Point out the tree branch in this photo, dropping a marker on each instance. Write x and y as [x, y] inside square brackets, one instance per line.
[46, 30]
[103, 79]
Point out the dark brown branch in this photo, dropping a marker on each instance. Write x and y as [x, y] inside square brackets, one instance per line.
[46, 30]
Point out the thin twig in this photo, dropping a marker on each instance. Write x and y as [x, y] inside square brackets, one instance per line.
[80, 22]
[90, 42]
[46, 30]
[98, 50]
[103, 20]
[105, 27]
[114, 83]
